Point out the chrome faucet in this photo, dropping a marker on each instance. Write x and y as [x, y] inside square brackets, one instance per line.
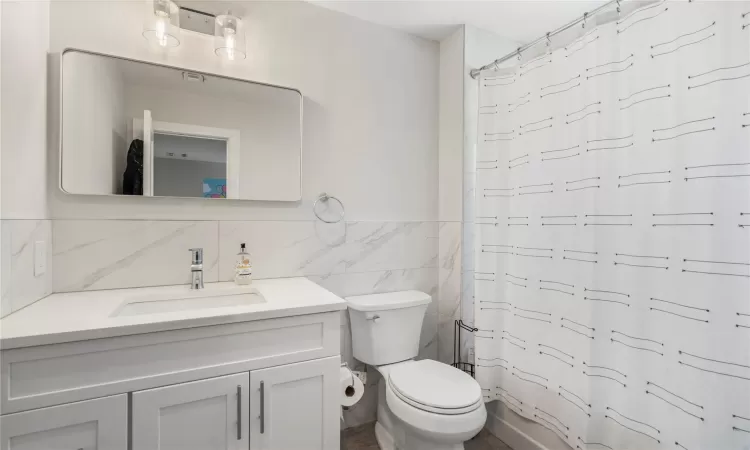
[196, 268]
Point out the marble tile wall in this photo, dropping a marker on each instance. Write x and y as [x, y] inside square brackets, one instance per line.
[110, 254]
[315, 248]
[348, 259]
[351, 258]
[449, 279]
[19, 286]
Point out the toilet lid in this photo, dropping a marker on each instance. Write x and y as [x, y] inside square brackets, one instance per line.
[434, 385]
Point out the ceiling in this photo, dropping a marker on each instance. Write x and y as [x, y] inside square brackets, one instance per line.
[518, 20]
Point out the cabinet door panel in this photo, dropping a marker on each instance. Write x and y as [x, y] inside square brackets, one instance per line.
[100, 424]
[202, 415]
[295, 407]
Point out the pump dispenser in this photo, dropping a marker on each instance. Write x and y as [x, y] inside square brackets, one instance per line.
[243, 271]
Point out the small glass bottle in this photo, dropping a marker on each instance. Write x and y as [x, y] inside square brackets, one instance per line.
[243, 271]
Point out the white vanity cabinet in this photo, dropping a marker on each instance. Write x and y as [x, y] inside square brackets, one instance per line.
[100, 424]
[181, 389]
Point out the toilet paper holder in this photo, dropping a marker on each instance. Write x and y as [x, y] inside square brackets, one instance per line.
[349, 391]
[352, 388]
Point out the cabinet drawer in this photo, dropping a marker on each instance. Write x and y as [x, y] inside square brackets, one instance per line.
[100, 424]
[54, 374]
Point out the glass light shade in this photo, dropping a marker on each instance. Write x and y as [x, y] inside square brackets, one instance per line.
[229, 37]
[161, 24]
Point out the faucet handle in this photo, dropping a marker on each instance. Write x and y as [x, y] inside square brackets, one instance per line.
[197, 255]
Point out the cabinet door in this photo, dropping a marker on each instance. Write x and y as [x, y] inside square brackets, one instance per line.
[202, 415]
[296, 406]
[148, 154]
[100, 424]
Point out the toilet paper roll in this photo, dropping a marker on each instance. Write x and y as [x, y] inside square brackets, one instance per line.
[352, 388]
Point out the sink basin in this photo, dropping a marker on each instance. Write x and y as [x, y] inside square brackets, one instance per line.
[169, 302]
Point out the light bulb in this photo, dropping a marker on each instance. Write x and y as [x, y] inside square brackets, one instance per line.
[229, 42]
[161, 30]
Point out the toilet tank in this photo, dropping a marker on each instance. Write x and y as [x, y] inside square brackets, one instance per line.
[386, 327]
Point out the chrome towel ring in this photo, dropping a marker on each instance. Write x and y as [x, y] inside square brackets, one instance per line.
[324, 198]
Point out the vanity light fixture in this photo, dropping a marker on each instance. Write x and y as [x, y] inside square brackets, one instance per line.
[164, 20]
[162, 23]
[229, 37]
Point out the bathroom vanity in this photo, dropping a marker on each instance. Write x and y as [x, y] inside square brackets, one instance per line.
[227, 367]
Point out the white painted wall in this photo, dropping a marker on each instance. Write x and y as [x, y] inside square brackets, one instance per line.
[4, 254]
[94, 135]
[23, 152]
[371, 105]
[450, 175]
[23, 71]
[451, 125]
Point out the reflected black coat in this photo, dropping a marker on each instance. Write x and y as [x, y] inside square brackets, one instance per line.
[132, 179]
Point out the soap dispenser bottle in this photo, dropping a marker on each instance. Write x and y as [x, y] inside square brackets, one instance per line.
[243, 271]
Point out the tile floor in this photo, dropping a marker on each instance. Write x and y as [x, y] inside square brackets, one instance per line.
[363, 438]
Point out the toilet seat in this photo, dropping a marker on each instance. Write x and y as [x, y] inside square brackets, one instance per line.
[437, 427]
[435, 387]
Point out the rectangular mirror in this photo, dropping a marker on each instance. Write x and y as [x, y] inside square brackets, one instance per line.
[141, 129]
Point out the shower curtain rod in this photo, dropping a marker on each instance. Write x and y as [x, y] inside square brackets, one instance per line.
[475, 72]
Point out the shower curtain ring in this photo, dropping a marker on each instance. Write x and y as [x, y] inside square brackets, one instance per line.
[618, 8]
[585, 16]
[518, 50]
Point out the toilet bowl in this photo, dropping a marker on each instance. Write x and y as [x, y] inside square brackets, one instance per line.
[422, 405]
[427, 405]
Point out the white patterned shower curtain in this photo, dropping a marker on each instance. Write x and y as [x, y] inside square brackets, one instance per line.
[612, 230]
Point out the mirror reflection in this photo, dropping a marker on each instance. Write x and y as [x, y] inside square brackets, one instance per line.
[139, 129]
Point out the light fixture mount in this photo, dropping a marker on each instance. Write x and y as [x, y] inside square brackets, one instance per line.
[198, 21]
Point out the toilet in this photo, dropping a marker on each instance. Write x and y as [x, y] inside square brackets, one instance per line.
[422, 405]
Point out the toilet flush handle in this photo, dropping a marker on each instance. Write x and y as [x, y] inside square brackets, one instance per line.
[375, 318]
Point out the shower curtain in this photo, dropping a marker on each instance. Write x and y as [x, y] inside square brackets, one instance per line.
[612, 232]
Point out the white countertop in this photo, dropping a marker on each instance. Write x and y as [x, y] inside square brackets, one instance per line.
[76, 316]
